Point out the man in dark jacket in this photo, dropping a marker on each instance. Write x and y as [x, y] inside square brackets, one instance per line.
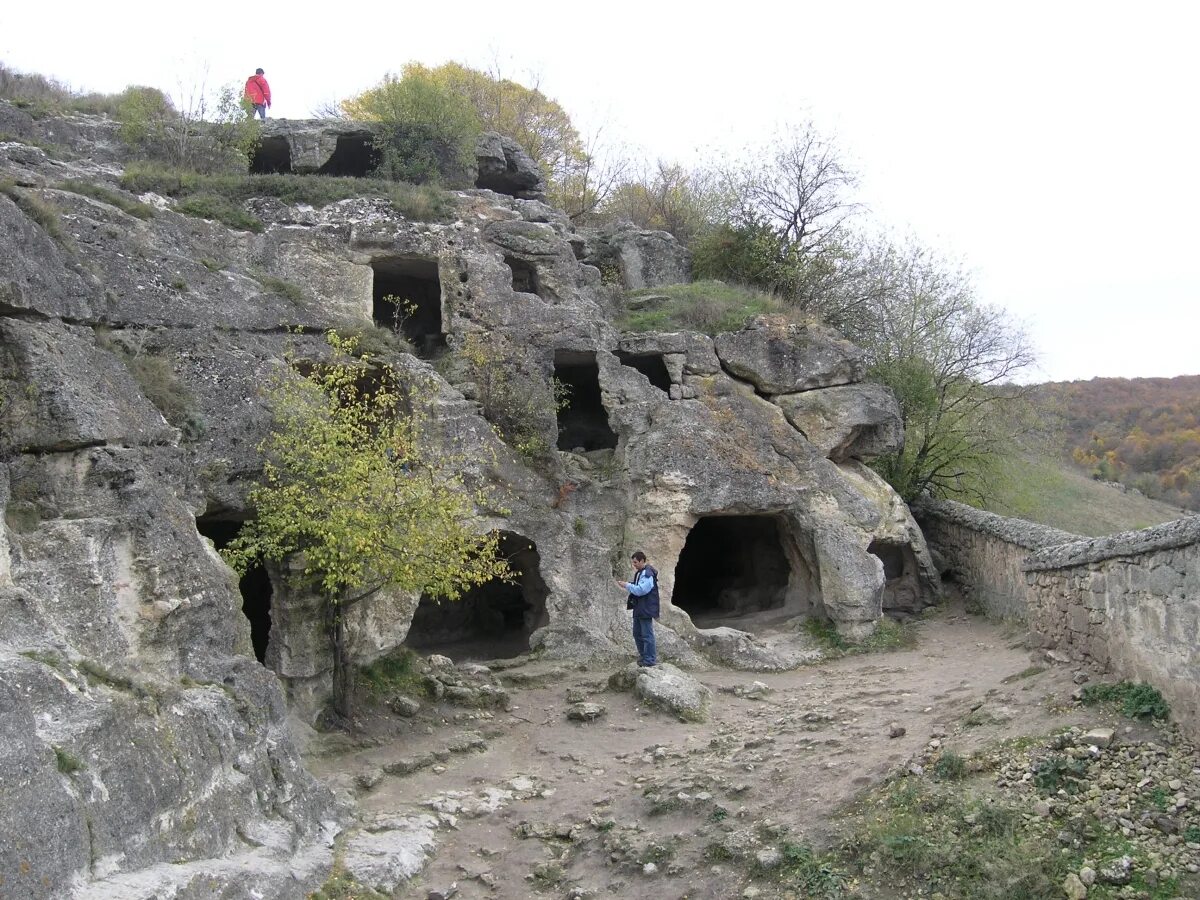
[643, 601]
[258, 92]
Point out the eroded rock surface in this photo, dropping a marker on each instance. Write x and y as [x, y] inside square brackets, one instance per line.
[138, 723]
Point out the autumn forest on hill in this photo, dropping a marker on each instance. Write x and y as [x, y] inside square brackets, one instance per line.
[1141, 432]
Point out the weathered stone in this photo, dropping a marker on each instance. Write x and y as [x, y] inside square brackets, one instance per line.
[1073, 888]
[504, 167]
[1118, 871]
[404, 706]
[390, 851]
[858, 420]
[781, 358]
[585, 712]
[101, 558]
[1097, 737]
[642, 258]
[673, 690]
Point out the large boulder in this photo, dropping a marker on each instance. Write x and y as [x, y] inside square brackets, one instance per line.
[640, 257]
[504, 167]
[667, 687]
[859, 421]
[778, 357]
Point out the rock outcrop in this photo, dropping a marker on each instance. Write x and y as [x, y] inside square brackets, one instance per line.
[150, 744]
[638, 257]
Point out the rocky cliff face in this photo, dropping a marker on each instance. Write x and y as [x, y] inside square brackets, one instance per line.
[144, 744]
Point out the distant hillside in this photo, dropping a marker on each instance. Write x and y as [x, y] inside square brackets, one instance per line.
[1052, 492]
[1142, 432]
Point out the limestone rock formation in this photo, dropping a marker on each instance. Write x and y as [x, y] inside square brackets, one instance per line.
[641, 258]
[859, 421]
[781, 358]
[505, 167]
[144, 694]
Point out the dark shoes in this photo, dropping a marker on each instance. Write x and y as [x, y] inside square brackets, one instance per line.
[643, 665]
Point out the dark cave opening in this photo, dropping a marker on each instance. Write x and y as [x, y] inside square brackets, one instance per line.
[582, 420]
[524, 275]
[354, 156]
[902, 587]
[491, 621]
[407, 297]
[649, 364]
[255, 585]
[732, 566]
[273, 156]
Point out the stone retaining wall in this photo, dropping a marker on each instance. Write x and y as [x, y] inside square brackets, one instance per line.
[1127, 603]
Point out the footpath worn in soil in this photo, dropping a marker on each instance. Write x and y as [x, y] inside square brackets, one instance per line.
[526, 802]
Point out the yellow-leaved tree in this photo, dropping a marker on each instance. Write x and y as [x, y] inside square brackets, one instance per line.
[351, 492]
[459, 102]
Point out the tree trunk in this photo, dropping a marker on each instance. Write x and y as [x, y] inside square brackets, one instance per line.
[344, 673]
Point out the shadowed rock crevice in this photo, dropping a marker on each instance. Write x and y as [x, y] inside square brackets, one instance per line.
[902, 586]
[583, 420]
[407, 297]
[354, 156]
[272, 156]
[737, 566]
[255, 585]
[649, 364]
[492, 621]
[524, 275]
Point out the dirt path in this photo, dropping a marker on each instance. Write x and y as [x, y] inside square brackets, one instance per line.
[600, 800]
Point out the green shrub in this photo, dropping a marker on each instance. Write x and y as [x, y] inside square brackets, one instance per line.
[950, 766]
[341, 885]
[423, 203]
[376, 341]
[395, 673]
[1137, 701]
[1055, 773]
[98, 192]
[220, 209]
[515, 399]
[46, 215]
[287, 289]
[888, 635]
[825, 633]
[710, 307]
[919, 839]
[67, 764]
[814, 876]
[97, 674]
[155, 377]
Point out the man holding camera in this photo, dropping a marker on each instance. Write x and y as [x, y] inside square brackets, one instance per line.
[643, 602]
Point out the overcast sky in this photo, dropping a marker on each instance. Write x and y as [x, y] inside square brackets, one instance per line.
[1053, 146]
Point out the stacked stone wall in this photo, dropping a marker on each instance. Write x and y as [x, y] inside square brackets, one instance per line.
[1127, 603]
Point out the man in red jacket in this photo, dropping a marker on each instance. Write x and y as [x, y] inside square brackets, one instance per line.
[258, 92]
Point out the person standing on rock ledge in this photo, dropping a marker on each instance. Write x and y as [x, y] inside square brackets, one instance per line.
[258, 92]
[643, 601]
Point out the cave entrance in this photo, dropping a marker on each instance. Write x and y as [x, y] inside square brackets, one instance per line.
[354, 156]
[524, 275]
[255, 585]
[407, 298]
[273, 156]
[901, 587]
[582, 419]
[491, 621]
[649, 364]
[740, 567]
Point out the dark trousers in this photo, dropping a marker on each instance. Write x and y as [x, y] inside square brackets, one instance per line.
[643, 637]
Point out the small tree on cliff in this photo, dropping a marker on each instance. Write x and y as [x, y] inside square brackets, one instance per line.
[951, 361]
[352, 493]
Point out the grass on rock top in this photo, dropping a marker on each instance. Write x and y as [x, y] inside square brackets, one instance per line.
[221, 197]
[710, 307]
